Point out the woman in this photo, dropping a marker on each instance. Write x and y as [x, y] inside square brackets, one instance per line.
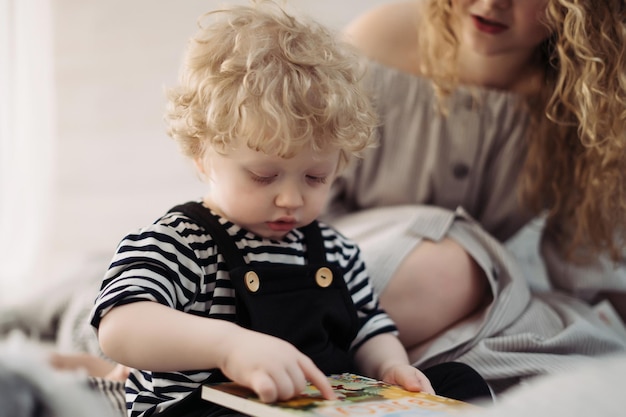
[493, 112]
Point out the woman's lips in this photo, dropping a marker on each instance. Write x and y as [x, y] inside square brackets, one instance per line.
[488, 26]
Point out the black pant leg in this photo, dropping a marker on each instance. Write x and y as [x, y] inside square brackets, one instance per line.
[458, 381]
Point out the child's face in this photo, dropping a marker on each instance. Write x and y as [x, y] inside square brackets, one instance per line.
[499, 27]
[269, 195]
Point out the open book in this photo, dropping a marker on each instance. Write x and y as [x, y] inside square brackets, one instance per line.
[358, 396]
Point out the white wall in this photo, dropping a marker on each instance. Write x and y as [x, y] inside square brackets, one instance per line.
[118, 169]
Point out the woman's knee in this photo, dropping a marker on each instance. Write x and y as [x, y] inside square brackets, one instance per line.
[436, 285]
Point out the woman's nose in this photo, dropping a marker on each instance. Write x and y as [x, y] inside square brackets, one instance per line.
[497, 4]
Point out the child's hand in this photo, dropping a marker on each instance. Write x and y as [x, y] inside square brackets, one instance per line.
[408, 377]
[273, 368]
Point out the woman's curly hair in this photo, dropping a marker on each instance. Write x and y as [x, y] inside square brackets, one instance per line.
[260, 75]
[575, 168]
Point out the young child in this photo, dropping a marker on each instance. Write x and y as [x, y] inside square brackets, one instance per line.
[246, 283]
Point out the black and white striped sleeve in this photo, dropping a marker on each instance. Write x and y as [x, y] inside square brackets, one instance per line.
[155, 264]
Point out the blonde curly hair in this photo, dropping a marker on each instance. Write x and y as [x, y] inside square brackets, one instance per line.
[276, 82]
[575, 167]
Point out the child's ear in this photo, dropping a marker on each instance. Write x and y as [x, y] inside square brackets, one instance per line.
[199, 162]
[201, 168]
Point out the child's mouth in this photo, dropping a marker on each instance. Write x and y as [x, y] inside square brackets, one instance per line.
[281, 226]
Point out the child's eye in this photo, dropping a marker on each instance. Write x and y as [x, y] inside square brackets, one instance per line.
[315, 179]
[261, 179]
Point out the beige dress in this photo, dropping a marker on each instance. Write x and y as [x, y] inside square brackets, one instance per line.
[433, 176]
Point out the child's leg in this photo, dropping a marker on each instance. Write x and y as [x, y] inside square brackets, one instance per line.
[458, 381]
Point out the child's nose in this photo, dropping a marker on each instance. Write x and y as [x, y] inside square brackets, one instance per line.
[289, 196]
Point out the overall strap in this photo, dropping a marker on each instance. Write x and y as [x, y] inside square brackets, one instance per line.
[203, 216]
[316, 252]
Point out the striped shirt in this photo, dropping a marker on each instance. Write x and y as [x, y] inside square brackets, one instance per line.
[175, 262]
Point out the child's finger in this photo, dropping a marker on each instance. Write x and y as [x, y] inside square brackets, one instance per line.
[426, 385]
[319, 380]
[263, 385]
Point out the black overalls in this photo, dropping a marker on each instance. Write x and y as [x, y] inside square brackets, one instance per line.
[310, 307]
[307, 305]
